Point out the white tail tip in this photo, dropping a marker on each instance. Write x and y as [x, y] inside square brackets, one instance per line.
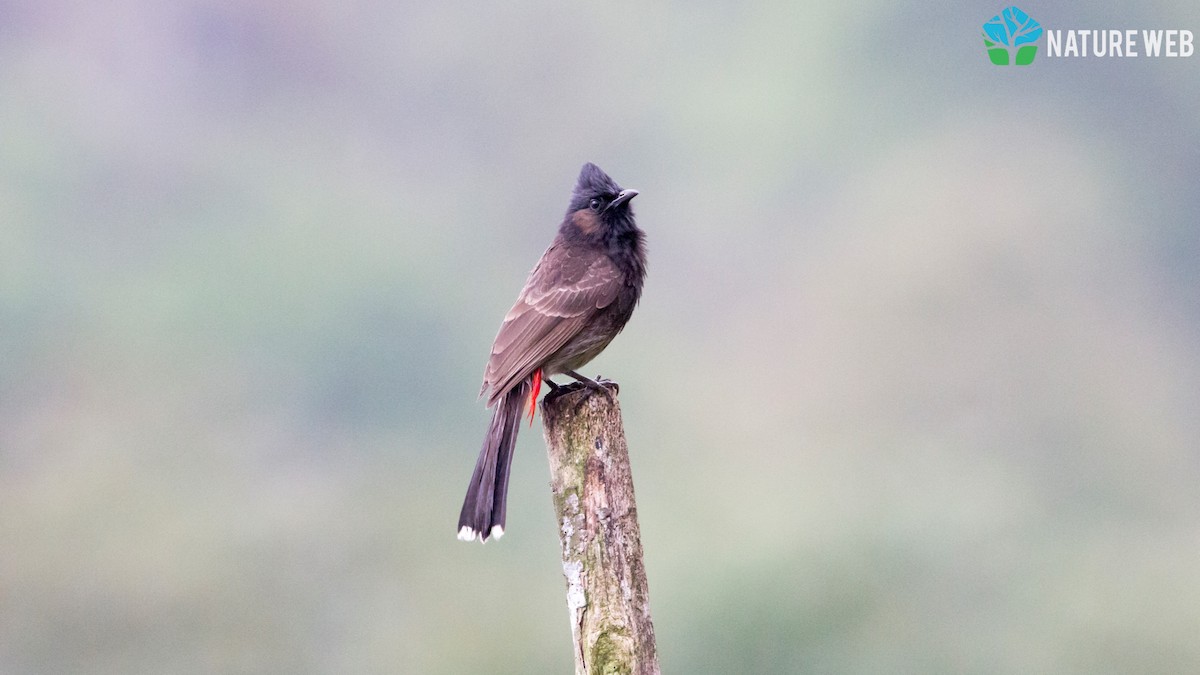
[468, 534]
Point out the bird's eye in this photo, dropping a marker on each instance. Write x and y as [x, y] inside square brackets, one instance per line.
[594, 204]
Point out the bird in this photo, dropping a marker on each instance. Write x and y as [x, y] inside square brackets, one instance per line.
[577, 298]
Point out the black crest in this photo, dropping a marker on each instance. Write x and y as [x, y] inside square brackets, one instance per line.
[593, 182]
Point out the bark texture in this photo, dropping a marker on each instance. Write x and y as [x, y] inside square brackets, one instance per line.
[607, 596]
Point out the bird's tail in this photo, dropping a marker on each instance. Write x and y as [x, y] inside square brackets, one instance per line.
[483, 509]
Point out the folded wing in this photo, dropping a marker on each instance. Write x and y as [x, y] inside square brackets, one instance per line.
[562, 294]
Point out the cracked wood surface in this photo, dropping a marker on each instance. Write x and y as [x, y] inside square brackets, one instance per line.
[607, 597]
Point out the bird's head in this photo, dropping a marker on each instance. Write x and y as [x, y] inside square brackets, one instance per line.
[598, 205]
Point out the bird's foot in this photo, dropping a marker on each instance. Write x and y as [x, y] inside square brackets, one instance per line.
[556, 390]
[606, 387]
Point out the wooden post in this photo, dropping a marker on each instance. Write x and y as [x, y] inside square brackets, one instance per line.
[598, 527]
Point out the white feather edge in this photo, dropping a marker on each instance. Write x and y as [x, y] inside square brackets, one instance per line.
[468, 534]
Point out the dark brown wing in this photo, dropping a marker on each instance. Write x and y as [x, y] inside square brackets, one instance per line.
[564, 291]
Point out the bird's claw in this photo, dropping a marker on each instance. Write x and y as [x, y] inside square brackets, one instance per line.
[605, 387]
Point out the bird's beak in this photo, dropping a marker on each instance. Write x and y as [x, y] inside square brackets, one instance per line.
[623, 197]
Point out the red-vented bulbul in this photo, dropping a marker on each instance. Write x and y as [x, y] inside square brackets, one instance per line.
[576, 300]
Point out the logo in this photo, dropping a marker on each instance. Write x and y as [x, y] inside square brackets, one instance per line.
[1011, 39]
[1010, 36]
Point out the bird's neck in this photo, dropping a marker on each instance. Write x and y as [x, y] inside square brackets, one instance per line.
[628, 250]
[623, 242]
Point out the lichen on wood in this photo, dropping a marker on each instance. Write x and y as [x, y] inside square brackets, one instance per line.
[607, 596]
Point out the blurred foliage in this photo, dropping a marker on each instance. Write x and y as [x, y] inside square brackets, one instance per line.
[913, 387]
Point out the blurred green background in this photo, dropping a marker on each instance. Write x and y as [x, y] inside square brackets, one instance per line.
[913, 388]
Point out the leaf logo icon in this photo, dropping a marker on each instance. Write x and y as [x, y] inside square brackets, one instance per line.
[1010, 37]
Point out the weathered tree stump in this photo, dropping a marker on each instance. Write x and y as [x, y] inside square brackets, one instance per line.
[607, 595]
